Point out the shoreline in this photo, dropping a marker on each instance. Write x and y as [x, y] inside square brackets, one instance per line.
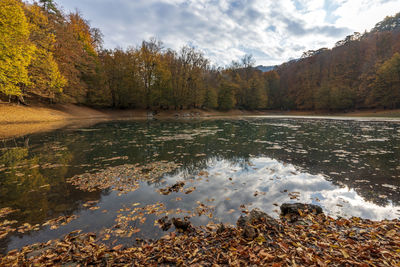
[303, 235]
[16, 120]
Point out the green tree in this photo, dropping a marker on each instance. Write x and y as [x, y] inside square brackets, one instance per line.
[49, 6]
[15, 48]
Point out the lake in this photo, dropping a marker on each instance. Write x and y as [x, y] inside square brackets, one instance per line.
[119, 178]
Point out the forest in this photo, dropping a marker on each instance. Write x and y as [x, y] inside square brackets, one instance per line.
[50, 56]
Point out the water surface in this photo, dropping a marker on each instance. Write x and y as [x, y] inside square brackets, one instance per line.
[350, 168]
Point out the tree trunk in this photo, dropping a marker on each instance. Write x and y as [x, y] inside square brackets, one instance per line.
[21, 100]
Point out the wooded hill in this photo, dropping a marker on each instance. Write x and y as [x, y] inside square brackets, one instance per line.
[361, 71]
[50, 56]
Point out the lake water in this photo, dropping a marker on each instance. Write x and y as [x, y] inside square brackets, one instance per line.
[349, 167]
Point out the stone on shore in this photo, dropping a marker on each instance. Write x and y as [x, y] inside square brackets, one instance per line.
[294, 208]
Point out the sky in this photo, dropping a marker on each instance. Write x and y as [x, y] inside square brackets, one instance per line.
[273, 31]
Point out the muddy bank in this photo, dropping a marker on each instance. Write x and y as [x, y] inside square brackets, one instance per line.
[10, 113]
[303, 236]
[18, 120]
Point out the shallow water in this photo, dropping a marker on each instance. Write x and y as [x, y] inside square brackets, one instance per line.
[350, 168]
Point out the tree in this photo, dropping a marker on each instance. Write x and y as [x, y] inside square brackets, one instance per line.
[210, 98]
[390, 23]
[343, 77]
[386, 91]
[341, 98]
[148, 64]
[77, 57]
[226, 96]
[257, 98]
[50, 6]
[46, 79]
[248, 61]
[322, 97]
[16, 50]
[272, 89]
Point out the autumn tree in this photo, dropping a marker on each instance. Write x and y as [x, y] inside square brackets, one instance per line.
[386, 91]
[257, 97]
[226, 95]
[49, 54]
[210, 98]
[195, 66]
[322, 98]
[212, 78]
[46, 79]
[149, 66]
[76, 54]
[16, 49]
[272, 89]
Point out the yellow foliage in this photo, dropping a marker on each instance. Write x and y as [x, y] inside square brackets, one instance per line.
[43, 70]
[81, 29]
[16, 49]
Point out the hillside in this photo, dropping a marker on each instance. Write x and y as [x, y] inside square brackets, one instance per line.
[361, 71]
[50, 56]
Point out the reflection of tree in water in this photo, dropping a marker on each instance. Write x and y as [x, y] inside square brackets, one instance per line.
[41, 192]
[320, 140]
[11, 157]
[235, 141]
[33, 182]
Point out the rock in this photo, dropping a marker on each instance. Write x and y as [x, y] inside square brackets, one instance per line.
[70, 264]
[249, 232]
[293, 208]
[256, 217]
[38, 252]
[180, 224]
[35, 253]
[221, 228]
[174, 188]
[165, 223]
[242, 221]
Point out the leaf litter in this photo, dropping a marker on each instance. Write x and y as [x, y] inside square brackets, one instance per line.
[306, 240]
[55, 223]
[123, 178]
[315, 240]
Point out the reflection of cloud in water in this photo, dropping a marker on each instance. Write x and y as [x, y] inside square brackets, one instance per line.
[276, 180]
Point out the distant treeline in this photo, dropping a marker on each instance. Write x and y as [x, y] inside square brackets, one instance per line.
[49, 56]
[361, 71]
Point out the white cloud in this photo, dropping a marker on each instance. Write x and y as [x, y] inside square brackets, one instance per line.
[273, 31]
[364, 14]
[274, 180]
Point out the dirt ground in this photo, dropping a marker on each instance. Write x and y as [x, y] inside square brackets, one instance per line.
[18, 120]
